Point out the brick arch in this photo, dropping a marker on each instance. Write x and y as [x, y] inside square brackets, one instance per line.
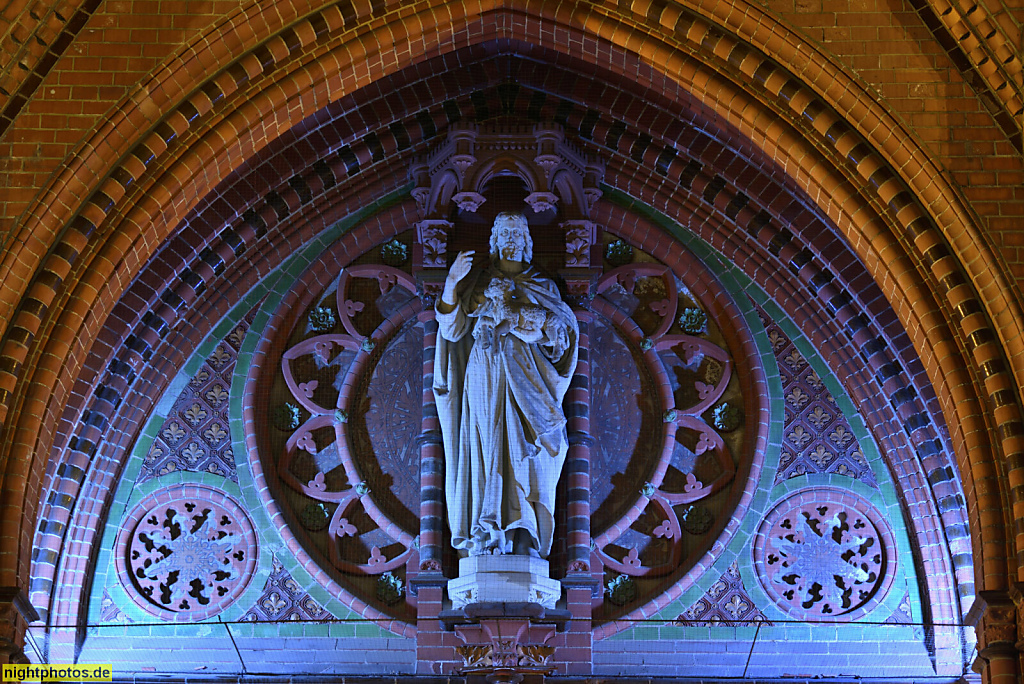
[807, 89]
[33, 36]
[978, 42]
[292, 177]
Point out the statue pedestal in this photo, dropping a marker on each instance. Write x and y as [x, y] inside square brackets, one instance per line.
[504, 579]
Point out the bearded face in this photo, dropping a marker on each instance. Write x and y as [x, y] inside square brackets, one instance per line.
[510, 238]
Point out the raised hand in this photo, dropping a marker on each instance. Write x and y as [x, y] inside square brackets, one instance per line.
[460, 269]
[461, 266]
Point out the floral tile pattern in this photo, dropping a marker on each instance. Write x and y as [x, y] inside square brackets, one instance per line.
[195, 437]
[817, 437]
[283, 599]
[725, 603]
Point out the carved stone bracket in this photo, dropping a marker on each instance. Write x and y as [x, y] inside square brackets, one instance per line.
[505, 642]
[469, 201]
[580, 237]
[429, 287]
[542, 201]
[995, 616]
[580, 286]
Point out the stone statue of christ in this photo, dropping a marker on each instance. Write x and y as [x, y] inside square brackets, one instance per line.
[506, 351]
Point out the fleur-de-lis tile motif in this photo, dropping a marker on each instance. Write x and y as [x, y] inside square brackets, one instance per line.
[216, 395]
[717, 589]
[237, 335]
[201, 376]
[273, 603]
[819, 417]
[799, 437]
[173, 432]
[215, 433]
[821, 456]
[797, 398]
[840, 436]
[193, 452]
[736, 606]
[219, 357]
[795, 360]
[195, 414]
[154, 454]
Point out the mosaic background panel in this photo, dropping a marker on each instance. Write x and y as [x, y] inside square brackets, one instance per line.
[195, 437]
[109, 611]
[726, 601]
[817, 438]
[283, 599]
[904, 613]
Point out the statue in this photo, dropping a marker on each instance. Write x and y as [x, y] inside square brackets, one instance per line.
[506, 351]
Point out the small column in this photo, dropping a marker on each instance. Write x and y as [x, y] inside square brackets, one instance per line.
[431, 460]
[434, 648]
[580, 279]
[574, 646]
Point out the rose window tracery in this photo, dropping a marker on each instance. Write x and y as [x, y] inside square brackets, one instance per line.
[346, 456]
[824, 553]
[186, 552]
[668, 413]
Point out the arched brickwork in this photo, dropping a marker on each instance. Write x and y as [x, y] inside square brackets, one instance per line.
[761, 262]
[863, 174]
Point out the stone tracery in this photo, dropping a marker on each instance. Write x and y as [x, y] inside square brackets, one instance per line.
[824, 553]
[186, 552]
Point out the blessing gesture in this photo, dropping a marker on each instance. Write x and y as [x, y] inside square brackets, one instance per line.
[460, 269]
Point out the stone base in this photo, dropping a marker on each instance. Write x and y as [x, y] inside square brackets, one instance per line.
[504, 579]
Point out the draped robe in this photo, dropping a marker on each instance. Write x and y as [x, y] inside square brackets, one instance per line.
[499, 403]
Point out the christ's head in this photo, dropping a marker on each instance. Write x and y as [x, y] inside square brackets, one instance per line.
[510, 238]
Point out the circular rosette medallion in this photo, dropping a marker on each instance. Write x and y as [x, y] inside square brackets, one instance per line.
[825, 553]
[186, 553]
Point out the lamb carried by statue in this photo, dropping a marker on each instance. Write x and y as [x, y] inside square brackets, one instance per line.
[506, 351]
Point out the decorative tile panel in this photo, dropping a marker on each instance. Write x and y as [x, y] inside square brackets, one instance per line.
[283, 599]
[725, 602]
[817, 437]
[195, 436]
[109, 612]
[904, 613]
